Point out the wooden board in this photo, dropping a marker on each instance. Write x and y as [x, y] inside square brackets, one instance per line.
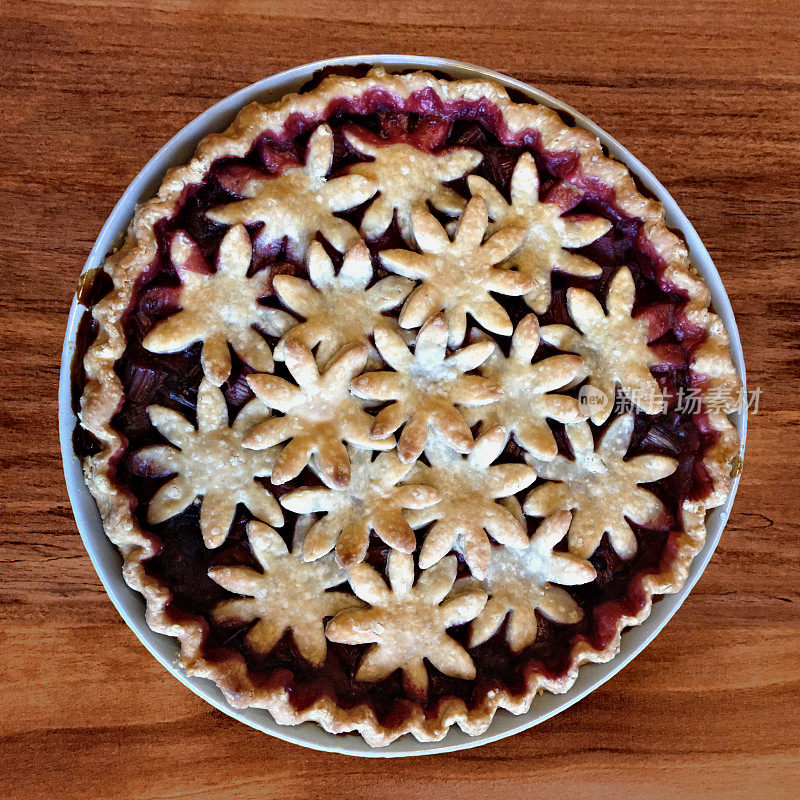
[706, 94]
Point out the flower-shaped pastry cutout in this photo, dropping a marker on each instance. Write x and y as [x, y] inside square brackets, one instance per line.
[219, 307]
[317, 414]
[522, 582]
[613, 347]
[211, 462]
[408, 176]
[601, 488]
[547, 232]
[338, 309]
[288, 594]
[527, 401]
[408, 623]
[301, 201]
[459, 276]
[470, 488]
[372, 502]
[426, 388]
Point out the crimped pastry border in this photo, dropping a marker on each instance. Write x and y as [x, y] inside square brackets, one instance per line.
[103, 395]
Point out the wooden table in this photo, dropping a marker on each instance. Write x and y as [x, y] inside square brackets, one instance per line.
[706, 93]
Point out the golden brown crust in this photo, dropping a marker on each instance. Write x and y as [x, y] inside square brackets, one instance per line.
[103, 395]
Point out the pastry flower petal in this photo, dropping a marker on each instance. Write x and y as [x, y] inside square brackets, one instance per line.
[547, 231]
[210, 462]
[301, 201]
[407, 176]
[318, 413]
[338, 309]
[522, 582]
[288, 594]
[219, 307]
[601, 488]
[613, 347]
[470, 488]
[407, 623]
[425, 388]
[528, 399]
[458, 277]
[373, 502]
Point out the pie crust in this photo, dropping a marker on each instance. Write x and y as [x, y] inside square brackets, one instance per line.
[404, 614]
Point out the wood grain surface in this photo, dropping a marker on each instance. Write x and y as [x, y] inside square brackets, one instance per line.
[706, 93]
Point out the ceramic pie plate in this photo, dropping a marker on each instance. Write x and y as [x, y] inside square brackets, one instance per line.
[107, 560]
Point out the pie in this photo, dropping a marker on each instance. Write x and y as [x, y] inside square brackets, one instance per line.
[381, 402]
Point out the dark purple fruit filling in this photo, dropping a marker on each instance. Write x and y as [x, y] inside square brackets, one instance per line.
[172, 380]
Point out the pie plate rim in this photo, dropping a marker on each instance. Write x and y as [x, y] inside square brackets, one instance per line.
[107, 560]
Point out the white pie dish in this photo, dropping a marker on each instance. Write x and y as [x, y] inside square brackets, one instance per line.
[107, 560]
